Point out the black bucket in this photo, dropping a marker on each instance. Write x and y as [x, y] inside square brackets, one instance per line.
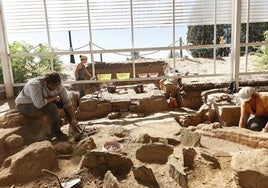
[111, 89]
[138, 88]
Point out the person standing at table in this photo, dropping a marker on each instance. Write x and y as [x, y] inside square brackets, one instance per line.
[81, 73]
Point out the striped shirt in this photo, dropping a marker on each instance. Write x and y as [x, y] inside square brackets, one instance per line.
[36, 91]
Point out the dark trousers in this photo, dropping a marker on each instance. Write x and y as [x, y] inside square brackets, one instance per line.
[51, 109]
[82, 88]
[256, 123]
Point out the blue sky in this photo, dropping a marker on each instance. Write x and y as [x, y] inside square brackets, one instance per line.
[107, 39]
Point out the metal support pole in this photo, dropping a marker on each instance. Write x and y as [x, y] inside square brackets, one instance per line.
[235, 55]
[91, 39]
[5, 59]
[132, 40]
[181, 55]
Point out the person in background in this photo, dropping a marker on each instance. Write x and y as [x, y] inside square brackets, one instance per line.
[180, 92]
[254, 110]
[170, 86]
[81, 72]
[173, 89]
[221, 51]
[44, 95]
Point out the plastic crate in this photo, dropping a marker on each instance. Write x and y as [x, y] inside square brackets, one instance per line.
[104, 76]
[143, 75]
[153, 74]
[122, 76]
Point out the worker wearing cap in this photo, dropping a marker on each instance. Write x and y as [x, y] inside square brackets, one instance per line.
[254, 110]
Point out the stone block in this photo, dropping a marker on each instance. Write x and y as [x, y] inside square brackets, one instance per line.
[154, 153]
[151, 105]
[88, 105]
[102, 110]
[250, 168]
[118, 105]
[228, 115]
[31, 129]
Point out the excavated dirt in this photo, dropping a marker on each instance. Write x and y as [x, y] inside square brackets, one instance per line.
[161, 125]
[157, 125]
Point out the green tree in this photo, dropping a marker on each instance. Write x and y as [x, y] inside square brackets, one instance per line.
[203, 34]
[24, 68]
[262, 52]
[200, 35]
[266, 40]
[256, 32]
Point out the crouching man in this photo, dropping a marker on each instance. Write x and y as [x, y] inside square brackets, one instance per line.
[44, 96]
[254, 110]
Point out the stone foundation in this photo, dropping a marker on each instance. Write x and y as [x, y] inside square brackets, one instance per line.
[238, 135]
[125, 99]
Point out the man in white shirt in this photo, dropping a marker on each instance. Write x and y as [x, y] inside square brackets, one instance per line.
[44, 96]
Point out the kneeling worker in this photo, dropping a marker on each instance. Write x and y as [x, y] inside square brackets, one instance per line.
[254, 110]
[173, 90]
[171, 85]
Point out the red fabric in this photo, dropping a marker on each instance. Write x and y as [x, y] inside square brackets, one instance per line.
[173, 103]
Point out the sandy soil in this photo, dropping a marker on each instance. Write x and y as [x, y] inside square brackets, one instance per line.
[203, 66]
[199, 66]
[157, 125]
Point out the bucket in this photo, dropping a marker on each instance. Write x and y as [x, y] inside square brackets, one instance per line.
[143, 75]
[138, 88]
[112, 146]
[153, 74]
[111, 89]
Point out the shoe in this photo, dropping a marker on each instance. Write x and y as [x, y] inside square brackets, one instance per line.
[264, 130]
[61, 136]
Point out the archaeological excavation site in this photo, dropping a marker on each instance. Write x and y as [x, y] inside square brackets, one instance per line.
[133, 94]
[132, 137]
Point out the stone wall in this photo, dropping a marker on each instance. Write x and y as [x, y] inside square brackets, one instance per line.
[124, 99]
[192, 98]
[140, 67]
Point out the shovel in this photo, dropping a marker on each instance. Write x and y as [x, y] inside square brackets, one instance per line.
[68, 184]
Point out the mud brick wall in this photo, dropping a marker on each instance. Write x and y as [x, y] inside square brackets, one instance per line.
[140, 67]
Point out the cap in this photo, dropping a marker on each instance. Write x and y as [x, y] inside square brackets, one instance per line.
[245, 94]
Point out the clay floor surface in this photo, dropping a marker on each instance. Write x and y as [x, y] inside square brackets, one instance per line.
[161, 125]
